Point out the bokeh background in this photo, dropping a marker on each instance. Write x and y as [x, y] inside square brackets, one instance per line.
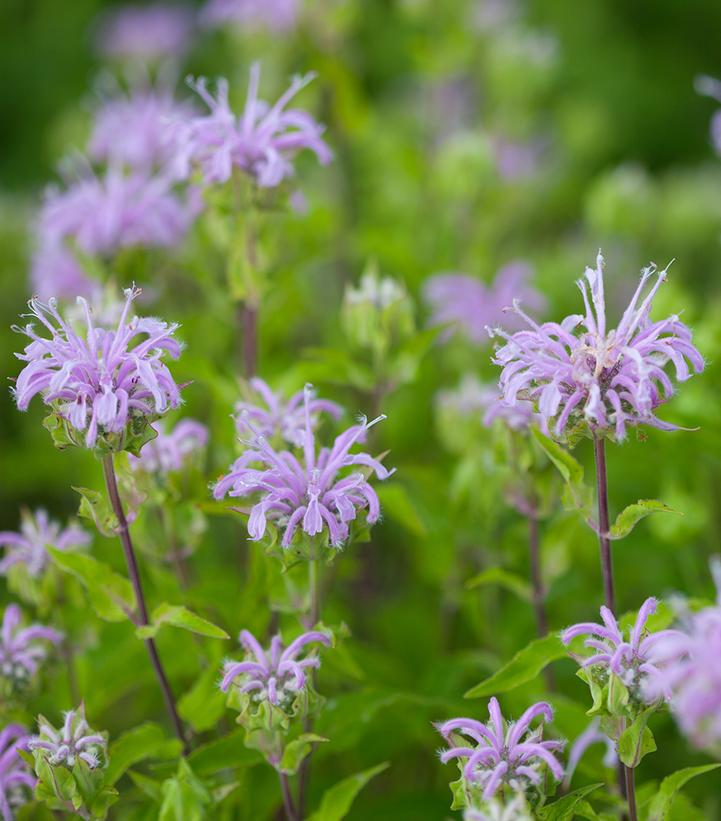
[466, 134]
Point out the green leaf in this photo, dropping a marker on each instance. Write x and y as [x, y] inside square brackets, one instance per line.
[661, 802]
[337, 800]
[630, 516]
[176, 615]
[146, 741]
[96, 508]
[226, 753]
[564, 809]
[204, 704]
[111, 596]
[398, 505]
[185, 798]
[503, 578]
[578, 496]
[296, 751]
[522, 668]
[637, 740]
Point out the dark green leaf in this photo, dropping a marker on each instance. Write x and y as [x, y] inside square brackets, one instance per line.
[661, 802]
[503, 578]
[337, 800]
[146, 741]
[565, 808]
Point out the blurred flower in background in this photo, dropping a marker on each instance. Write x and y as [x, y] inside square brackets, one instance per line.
[21, 648]
[145, 33]
[251, 15]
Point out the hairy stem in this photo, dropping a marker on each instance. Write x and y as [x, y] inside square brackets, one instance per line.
[291, 813]
[599, 452]
[134, 574]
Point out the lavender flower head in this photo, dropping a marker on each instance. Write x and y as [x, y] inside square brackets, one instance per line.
[169, 451]
[16, 781]
[474, 398]
[261, 142]
[314, 491]
[470, 306]
[21, 648]
[54, 271]
[513, 809]
[502, 753]
[74, 741]
[29, 546]
[275, 675]
[282, 418]
[631, 659]
[604, 379]
[103, 380]
[274, 15]
[102, 215]
[146, 33]
[691, 673]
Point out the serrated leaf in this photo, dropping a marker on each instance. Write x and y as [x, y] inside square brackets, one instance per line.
[661, 802]
[337, 800]
[565, 808]
[176, 615]
[637, 740]
[146, 741]
[297, 750]
[111, 596]
[522, 668]
[503, 578]
[630, 516]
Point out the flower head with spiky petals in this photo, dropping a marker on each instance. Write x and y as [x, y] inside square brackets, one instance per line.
[29, 547]
[604, 379]
[21, 648]
[100, 381]
[309, 491]
[632, 659]
[514, 808]
[72, 742]
[502, 753]
[276, 674]
[16, 781]
[170, 450]
[280, 417]
[261, 142]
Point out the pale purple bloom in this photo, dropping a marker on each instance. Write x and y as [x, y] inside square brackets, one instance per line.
[632, 659]
[169, 451]
[102, 380]
[261, 142]
[474, 398]
[278, 417]
[54, 271]
[275, 15]
[74, 741]
[276, 674]
[146, 32]
[470, 305]
[691, 673]
[16, 781]
[21, 648]
[711, 87]
[590, 736]
[606, 379]
[102, 215]
[517, 160]
[306, 491]
[503, 753]
[29, 546]
[137, 130]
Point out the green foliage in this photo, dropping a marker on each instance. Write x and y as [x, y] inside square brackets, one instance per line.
[297, 750]
[176, 615]
[337, 801]
[566, 808]
[630, 516]
[659, 806]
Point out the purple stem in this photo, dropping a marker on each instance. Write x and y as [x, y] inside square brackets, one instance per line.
[134, 573]
[291, 813]
[631, 793]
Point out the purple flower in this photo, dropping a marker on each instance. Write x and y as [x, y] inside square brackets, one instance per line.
[261, 142]
[21, 651]
[54, 271]
[606, 379]
[471, 306]
[102, 215]
[473, 398]
[16, 781]
[169, 451]
[103, 380]
[146, 33]
[591, 735]
[308, 491]
[517, 160]
[690, 661]
[281, 418]
[503, 753]
[632, 659]
[137, 130]
[74, 741]
[275, 15]
[275, 675]
[29, 546]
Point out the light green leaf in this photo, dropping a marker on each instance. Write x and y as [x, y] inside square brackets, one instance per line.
[661, 802]
[522, 668]
[503, 578]
[637, 740]
[176, 615]
[96, 508]
[337, 800]
[630, 516]
[398, 505]
[565, 808]
[577, 495]
[296, 751]
[111, 596]
[146, 741]
[185, 798]
[204, 704]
